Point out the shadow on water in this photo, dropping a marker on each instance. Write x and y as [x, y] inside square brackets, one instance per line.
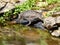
[23, 35]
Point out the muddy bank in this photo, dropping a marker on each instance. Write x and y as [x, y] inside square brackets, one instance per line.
[22, 35]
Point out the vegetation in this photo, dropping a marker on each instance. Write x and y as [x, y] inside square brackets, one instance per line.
[52, 1]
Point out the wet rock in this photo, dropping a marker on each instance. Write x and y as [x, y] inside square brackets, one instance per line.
[39, 25]
[10, 4]
[49, 22]
[53, 24]
[56, 32]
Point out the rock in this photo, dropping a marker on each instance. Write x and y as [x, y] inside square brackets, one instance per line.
[8, 7]
[56, 33]
[10, 1]
[39, 25]
[10, 4]
[22, 1]
[55, 14]
[53, 24]
[41, 4]
[2, 5]
[58, 20]
[49, 22]
[52, 21]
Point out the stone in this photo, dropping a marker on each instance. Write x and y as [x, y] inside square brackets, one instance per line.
[53, 24]
[2, 5]
[41, 4]
[49, 22]
[10, 4]
[39, 25]
[8, 7]
[22, 1]
[58, 20]
[56, 33]
[55, 14]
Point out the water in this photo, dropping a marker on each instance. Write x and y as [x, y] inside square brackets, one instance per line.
[22, 35]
